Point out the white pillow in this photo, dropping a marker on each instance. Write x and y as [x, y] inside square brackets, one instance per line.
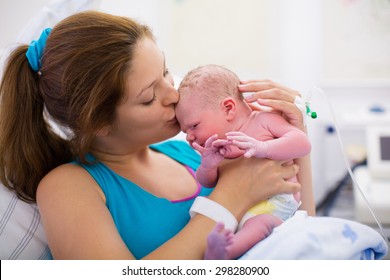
[21, 232]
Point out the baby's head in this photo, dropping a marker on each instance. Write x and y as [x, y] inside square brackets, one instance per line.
[211, 83]
[207, 94]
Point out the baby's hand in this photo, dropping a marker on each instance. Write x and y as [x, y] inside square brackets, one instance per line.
[251, 146]
[211, 154]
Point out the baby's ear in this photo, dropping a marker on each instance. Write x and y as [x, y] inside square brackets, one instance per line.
[229, 107]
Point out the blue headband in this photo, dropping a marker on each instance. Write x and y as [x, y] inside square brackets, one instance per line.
[35, 50]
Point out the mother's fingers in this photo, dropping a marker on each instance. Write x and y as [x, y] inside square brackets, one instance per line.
[290, 170]
[267, 89]
[272, 93]
[286, 172]
[282, 171]
[290, 187]
[264, 84]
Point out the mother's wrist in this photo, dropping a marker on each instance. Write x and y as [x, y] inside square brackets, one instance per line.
[215, 211]
[234, 203]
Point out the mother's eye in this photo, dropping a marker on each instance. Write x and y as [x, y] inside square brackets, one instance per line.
[150, 101]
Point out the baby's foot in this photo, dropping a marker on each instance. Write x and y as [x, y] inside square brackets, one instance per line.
[218, 242]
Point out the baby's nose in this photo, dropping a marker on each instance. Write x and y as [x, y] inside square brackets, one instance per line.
[190, 137]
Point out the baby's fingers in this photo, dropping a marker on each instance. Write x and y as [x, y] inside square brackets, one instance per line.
[243, 145]
[198, 147]
[210, 140]
[249, 153]
[220, 143]
[238, 138]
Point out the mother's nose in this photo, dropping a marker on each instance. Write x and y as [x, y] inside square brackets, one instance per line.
[171, 96]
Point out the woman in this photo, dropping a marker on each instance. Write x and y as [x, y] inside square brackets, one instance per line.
[103, 78]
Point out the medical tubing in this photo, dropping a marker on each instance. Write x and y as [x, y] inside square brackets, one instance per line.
[331, 197]
[349, 167]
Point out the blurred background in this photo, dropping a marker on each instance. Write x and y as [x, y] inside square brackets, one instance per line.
[341, 47]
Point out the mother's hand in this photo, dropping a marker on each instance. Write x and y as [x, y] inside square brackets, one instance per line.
[244, 182]
[281, 98]
[270, 94]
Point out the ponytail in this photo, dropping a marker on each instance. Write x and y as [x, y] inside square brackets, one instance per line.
[77, 74]
[29, 149]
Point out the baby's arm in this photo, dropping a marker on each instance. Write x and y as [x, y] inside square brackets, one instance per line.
[207, 177]
[288, 143]
[207, 173]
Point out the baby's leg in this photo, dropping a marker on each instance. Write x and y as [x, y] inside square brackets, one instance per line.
[254, 230]
[218, 242]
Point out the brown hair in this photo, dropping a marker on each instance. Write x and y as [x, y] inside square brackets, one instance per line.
[80, 85]
[214, 82]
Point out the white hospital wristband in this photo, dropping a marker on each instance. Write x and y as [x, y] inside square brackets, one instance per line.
[214, 211]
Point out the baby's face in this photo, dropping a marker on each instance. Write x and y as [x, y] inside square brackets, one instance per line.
[197, 122]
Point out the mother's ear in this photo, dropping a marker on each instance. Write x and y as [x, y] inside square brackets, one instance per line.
[229, 107]
[104, 131]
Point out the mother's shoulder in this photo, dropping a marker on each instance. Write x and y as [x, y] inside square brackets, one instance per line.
[64, 179]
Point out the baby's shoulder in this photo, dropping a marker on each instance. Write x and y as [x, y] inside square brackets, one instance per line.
[265, 117]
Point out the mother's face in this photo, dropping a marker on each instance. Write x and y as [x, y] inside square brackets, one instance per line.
[147, 114]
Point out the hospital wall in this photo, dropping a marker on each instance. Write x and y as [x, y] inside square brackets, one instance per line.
[340, 46]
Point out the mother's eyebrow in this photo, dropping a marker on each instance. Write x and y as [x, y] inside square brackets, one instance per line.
[150, 85]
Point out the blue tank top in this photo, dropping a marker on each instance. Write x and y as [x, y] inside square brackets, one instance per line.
[143, 220]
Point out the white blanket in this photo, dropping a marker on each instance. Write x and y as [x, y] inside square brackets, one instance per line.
[303, 238]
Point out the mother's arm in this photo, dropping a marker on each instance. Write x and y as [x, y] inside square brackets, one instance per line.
[78, 224]
[270, 94]
[238, 189]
